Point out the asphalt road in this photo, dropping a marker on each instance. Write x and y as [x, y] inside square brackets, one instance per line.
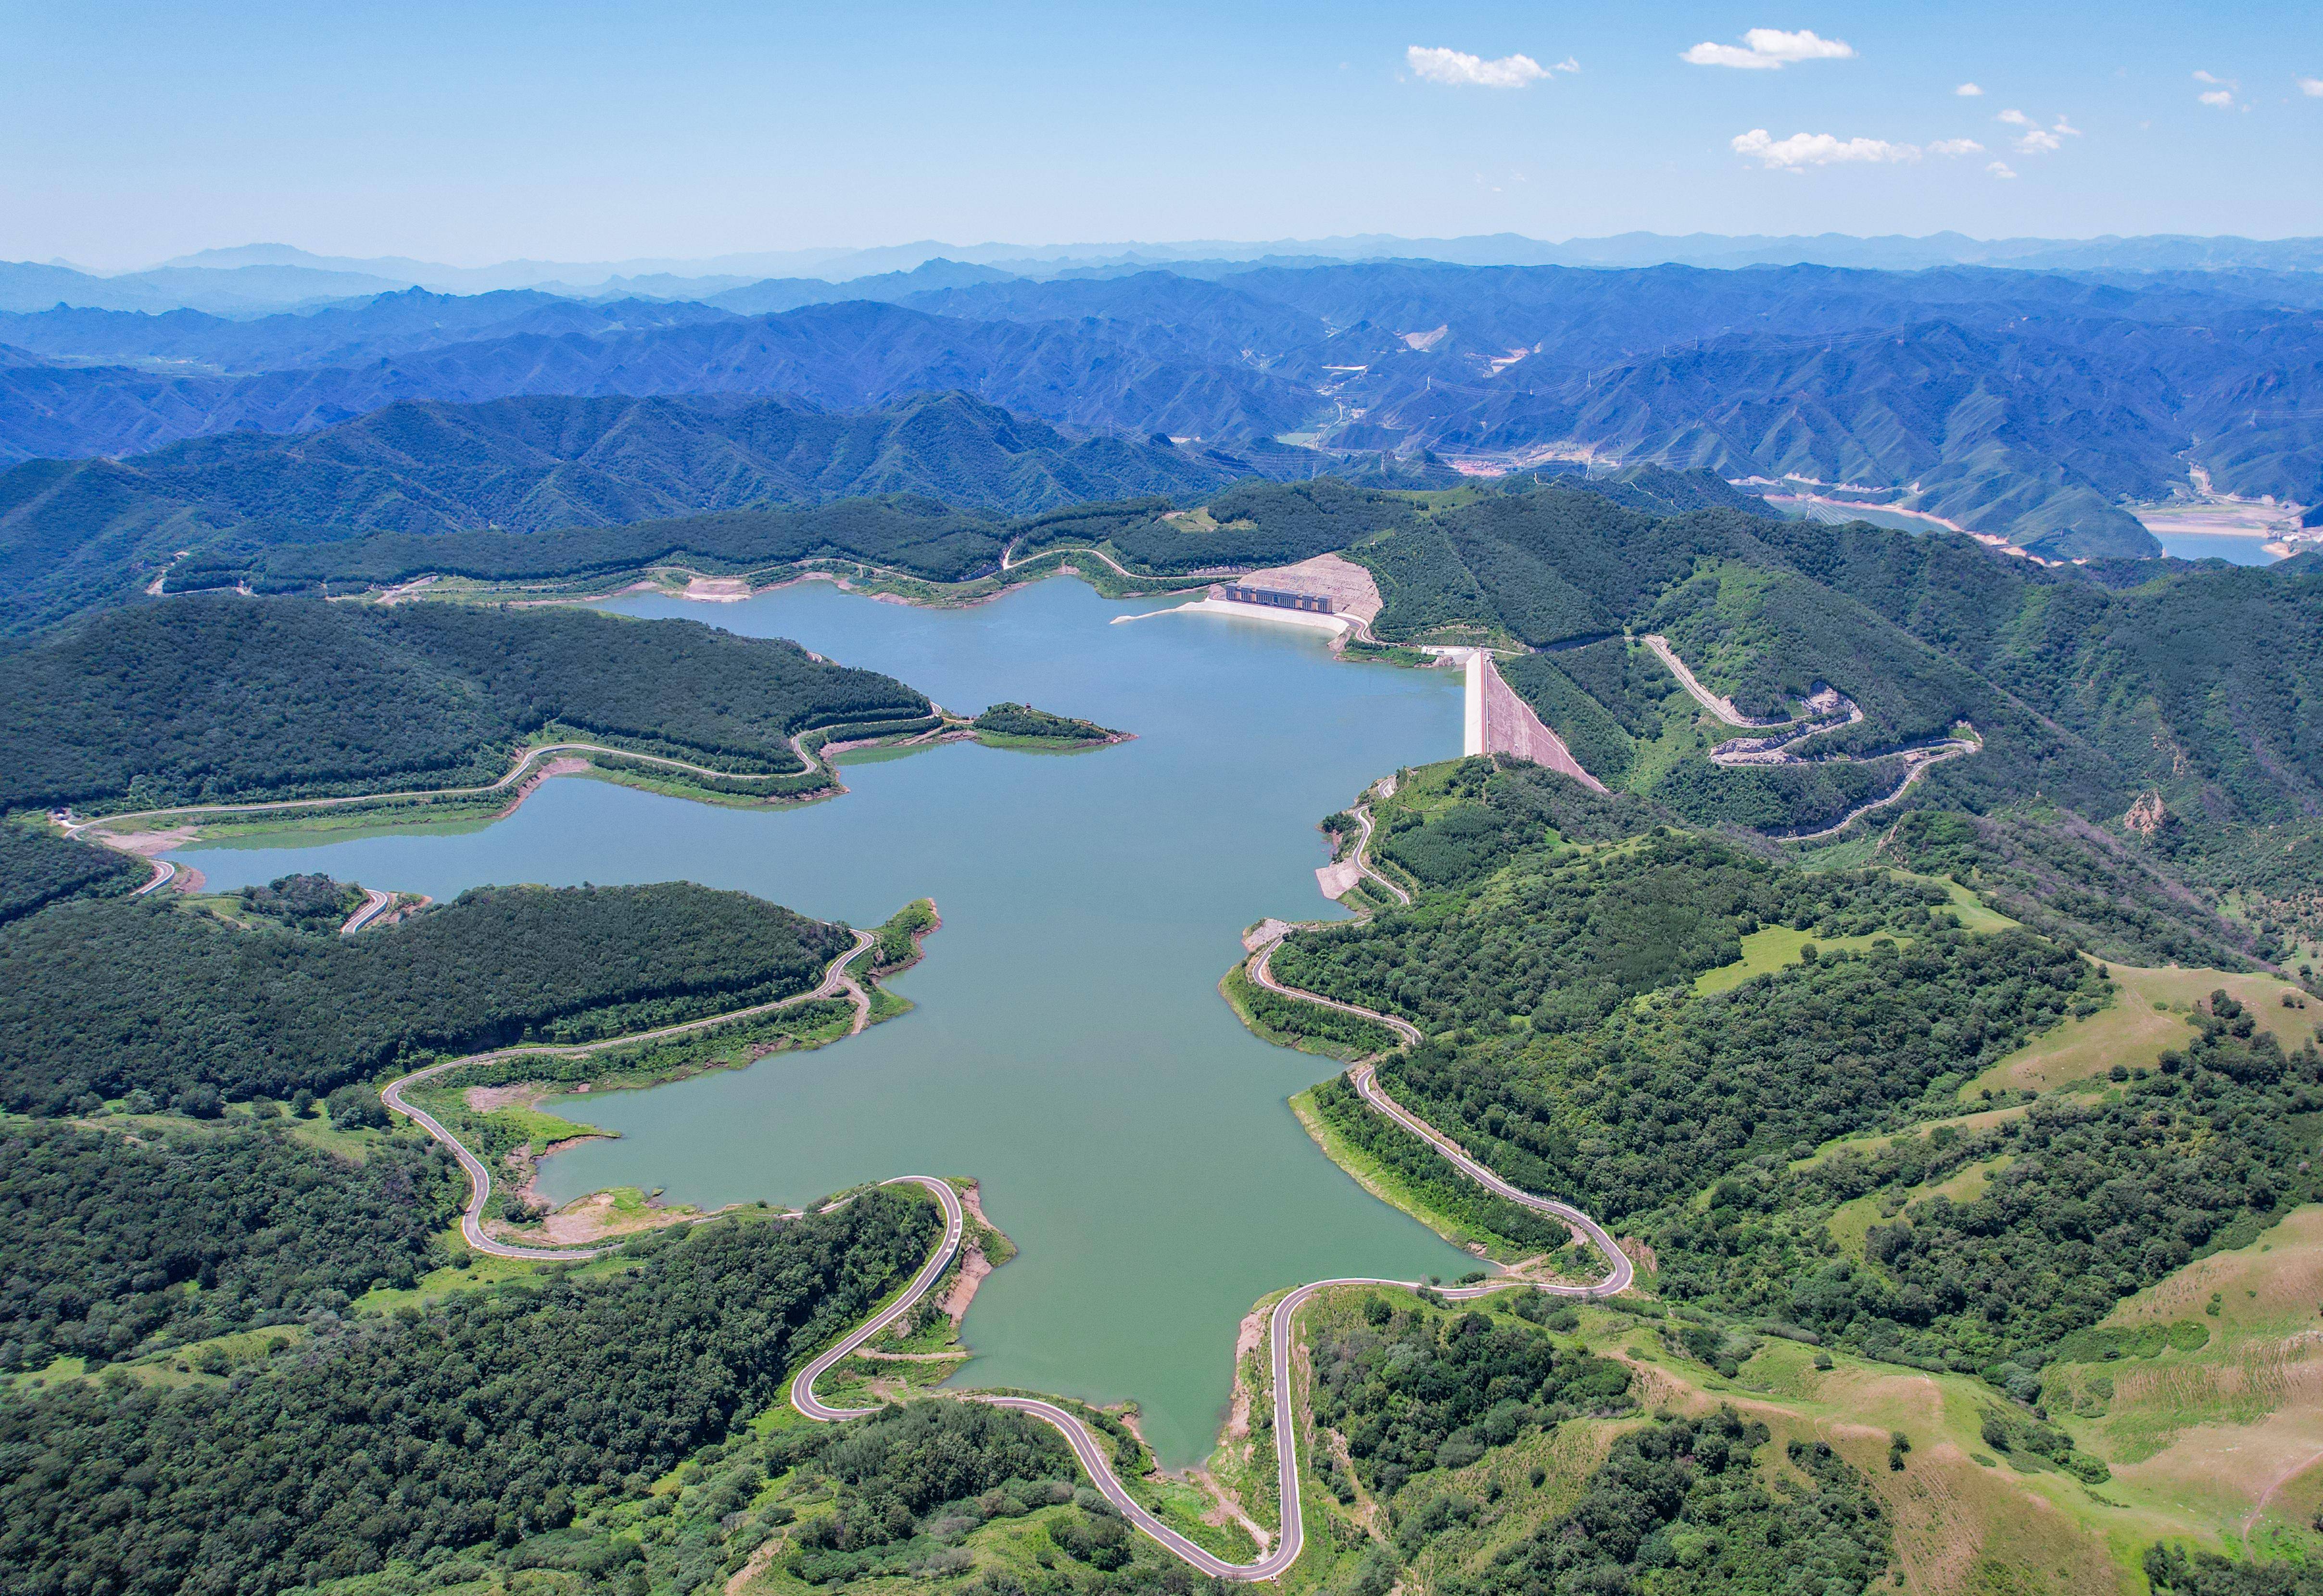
[74, 828]
[803, 1397]
[1094, 1451]
[480, 1178]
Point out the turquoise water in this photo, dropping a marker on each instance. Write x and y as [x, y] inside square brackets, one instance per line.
[1069, 1048]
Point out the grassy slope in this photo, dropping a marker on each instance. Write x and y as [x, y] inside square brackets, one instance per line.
[2207, 1436]
[1964, 1528]
[2149, 1015]
[1770, 950]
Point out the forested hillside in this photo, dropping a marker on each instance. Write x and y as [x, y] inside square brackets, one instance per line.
[2199, 682]
[469, 1425]
[97, 530]
[219, 698]
[114, 1242]
[100, 999]
[2024, 403]
[39, 868]
[917, 536]
[1801, 1096]
[2085, 686]
[1526, 965]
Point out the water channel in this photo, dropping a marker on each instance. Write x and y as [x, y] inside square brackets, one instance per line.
[1069, 1048]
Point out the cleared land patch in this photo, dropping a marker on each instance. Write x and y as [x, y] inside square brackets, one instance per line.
[2134, 1029]
[1770, 949]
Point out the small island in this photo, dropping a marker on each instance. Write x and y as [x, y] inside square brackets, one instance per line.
[1021, 726]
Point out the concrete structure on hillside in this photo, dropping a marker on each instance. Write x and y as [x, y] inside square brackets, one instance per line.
[1234, 592]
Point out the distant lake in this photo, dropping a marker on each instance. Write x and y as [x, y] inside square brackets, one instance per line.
[2215, 546]
[1069, 1047]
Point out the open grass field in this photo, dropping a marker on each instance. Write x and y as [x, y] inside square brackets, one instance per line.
[2147, 1015]
[1966, 1523]
[2226, 1438]
[1771, 949]
[2221, 1445]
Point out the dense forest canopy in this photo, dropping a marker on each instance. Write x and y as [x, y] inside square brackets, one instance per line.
[39, 868]
[109, 1245]
[222, 698]
[99, 999]
[474, 1422]
[913, 535]
[1414, 1392]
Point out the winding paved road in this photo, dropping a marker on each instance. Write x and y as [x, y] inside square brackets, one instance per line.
[1095, 1453]
[75, 828]
[1364, 856]
[835, 979]
[164, 873]
[1621, 1275]
[803, 1397]
[1918, 760]
[374, 900]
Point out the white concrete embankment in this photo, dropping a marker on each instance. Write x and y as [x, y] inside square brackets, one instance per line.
[1334, 624]
[1472, 718]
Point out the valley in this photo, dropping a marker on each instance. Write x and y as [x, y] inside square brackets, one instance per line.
[1710, 986]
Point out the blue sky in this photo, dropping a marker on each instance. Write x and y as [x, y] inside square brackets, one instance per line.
[477, 133]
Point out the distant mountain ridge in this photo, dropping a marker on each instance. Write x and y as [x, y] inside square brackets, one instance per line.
[205, 273]
[2029, 405]
[73, 534]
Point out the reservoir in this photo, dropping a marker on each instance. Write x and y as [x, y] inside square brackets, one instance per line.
[1069, 1048]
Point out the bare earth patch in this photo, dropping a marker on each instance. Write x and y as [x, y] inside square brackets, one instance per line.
[521, 1094]
[717, 590]
[146, 844]
[1247, 1336]
[1338, 880]
[973, 1266]
[1348, 586]
[596, 1215]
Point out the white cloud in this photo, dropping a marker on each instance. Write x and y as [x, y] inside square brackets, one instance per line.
[2037, 139]
[1568, 64]
[1805, 150]
[2222, 98]
[2001, 169]
[1459, 69]
[1955, 147]
[1769, 48]
[2312, 87]
[1968, 91]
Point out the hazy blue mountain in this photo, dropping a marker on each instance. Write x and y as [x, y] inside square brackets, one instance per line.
[853, 355]
[2028, 404]
[357, 331]
[789, 293]
[588, 276]
[82, 532]
[242, 291]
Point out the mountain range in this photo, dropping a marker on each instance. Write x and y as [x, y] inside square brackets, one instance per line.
[83, 532]
[232, 281]
[2027, 404]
